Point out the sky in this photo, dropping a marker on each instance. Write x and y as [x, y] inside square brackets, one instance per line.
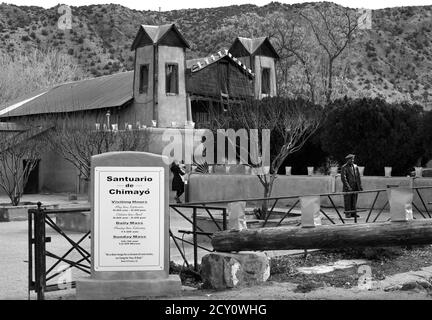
[166, 5]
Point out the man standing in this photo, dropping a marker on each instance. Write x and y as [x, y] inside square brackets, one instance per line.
[350, 176]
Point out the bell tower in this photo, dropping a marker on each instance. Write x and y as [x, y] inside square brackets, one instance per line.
[159, 75]
[260, 56]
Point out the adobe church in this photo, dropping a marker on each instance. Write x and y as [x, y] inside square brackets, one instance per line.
[163, 91]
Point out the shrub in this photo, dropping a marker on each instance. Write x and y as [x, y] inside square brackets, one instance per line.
[311, 155]
[379, 133]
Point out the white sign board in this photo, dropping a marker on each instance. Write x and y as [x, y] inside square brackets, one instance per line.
[129, 218]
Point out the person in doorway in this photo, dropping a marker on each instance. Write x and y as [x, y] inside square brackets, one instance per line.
[350, 176]
[177, 182]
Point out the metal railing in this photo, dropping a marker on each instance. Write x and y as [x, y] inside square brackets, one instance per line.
[196, 230]
[221, 205]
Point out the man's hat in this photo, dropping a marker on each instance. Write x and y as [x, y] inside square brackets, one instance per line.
[350, 156]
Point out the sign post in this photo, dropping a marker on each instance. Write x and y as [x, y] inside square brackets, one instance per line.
[130, 228]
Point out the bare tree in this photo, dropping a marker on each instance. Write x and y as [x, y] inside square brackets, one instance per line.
[24, 73]
[333, 28]
[291, 123]
[311, 42]
[291, 38]
[21, 74]
[20, 152]
[78, 141]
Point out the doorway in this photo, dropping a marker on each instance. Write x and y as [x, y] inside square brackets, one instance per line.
[32, 185]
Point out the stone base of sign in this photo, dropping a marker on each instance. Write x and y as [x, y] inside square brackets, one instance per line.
[228, 270]
[94, 289]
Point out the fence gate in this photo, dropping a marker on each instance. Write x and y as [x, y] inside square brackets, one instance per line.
[38, 275]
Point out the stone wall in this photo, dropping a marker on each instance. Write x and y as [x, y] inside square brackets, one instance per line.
[217, 186]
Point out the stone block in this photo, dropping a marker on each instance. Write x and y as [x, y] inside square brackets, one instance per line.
[229, 270]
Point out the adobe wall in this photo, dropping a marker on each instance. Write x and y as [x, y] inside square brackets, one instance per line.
[57, 175]
[213, 187]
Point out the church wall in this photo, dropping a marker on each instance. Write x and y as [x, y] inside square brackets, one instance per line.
[240, 84]
[56, 174]
[205, 82]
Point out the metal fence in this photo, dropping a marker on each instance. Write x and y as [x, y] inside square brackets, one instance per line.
[208, 207]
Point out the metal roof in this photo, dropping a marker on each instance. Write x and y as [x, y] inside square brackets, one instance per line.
[102, 92]
[198, 64]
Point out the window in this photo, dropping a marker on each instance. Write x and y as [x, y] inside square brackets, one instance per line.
[224, 80]
[265, 81]
[144, 78]
[171, 84]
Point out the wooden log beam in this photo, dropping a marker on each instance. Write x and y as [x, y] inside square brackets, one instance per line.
[329, 236]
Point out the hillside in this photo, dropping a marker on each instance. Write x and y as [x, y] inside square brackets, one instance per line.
[393, 60]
